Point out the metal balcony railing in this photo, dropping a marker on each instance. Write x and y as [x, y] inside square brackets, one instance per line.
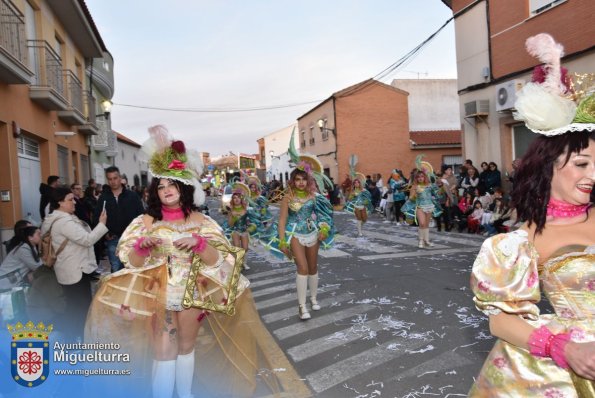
[74, 90]
[12, 31]
[89, 105]
[48, 66]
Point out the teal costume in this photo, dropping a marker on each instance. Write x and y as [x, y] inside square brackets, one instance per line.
[359, 199]
[260, 204]
[426, 199]
[304, 220]
[248, 222]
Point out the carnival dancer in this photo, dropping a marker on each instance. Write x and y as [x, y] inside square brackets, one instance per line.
[545, 355]
[305, 223]
[422, 204]
[258, 201]
[398, 184]
[181, 270]
[242, 221]
[359, 202]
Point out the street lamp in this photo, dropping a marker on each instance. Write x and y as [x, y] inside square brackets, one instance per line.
[322, 126]
[106, 105]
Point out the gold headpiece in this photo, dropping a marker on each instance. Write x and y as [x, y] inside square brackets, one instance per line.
[30, 331]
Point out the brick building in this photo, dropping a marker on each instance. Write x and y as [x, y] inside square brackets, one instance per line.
[493, 65]
[48, 108]
[371, 120]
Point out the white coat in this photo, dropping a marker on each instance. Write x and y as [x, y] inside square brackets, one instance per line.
[78, 255]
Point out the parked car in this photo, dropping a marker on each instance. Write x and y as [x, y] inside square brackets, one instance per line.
[225, 203]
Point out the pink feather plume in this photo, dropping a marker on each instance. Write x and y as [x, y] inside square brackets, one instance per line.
[544, 47]
[160, 135]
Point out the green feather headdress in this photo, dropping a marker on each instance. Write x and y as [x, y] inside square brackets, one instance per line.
[310, 164]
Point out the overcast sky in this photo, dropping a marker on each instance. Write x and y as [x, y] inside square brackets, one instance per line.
[242, 54]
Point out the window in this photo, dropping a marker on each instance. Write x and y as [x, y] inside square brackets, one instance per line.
[539, 6]
[303, 139]
[521, 138]
[27, 147]
[63, 165]
[311, 135]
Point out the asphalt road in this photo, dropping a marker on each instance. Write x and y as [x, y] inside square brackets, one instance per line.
[396, 321]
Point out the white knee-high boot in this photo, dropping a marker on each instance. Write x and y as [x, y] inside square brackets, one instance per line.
[313, 286]
[427, 237]
[420, 235]
[164, 378]
[184, 375]
[359, 227]
[301, 282]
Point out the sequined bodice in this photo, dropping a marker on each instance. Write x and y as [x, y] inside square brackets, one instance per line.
[569, 283]
[301, 213]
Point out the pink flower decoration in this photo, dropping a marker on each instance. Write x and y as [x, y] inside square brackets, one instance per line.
[304, 166]
[533, 278]
[500, 362]
[553, 393]
[176, 165]
[591, 285]
[178, 146]
[483, 286]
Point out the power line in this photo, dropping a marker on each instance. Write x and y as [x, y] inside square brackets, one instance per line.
[217, 110]
[402, 62]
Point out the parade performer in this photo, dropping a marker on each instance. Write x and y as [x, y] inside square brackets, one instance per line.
[398, 184]
[545, 355]
[305, 223]
[242, 221]
[180, 271]
[423, 204]
[359, 201]
[258, 201]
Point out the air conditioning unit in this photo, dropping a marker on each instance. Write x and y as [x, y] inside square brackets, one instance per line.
[506, 94]
[477, 108]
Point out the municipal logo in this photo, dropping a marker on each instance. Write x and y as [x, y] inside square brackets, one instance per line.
[30, 353]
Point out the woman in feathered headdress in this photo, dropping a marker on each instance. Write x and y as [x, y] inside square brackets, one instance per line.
[541, 355]
[242, 221]
[258, 201]
[305, 223]
[422, 204]
[359, 202]
[179, 269]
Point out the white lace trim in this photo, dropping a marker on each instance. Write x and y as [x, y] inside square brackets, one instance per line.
[178, 227]
[572, 127]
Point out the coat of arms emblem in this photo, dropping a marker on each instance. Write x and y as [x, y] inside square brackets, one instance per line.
[30, 353]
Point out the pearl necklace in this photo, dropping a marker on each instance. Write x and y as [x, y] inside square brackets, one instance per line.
[561, 209]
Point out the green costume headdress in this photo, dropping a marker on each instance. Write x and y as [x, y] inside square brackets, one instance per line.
[310, 164]
[170, 159]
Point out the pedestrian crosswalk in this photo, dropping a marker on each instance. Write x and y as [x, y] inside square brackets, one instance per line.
[367, 338]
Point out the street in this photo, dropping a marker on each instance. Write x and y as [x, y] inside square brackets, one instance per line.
[396, 321]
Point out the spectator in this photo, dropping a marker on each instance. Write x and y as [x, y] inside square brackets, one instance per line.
[368, 181]
[122, 206]
[471, 180]
[379, 182]
[16, 240]
[497, 213]
[493, 179]
[22, 260]
[375, 193]
[77, 260]
[46, 190]
[483, 176]
[449, 176]
[474, 219]
[444, 198]
[80, 210]
[346, 186]
[91, 183]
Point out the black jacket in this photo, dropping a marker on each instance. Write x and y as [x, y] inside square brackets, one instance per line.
[45, 190]
[121, 212]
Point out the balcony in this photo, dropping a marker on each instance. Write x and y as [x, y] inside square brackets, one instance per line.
[99, 142]
[90, 125]
[13, 46]
[47, 86]
[73, 114]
